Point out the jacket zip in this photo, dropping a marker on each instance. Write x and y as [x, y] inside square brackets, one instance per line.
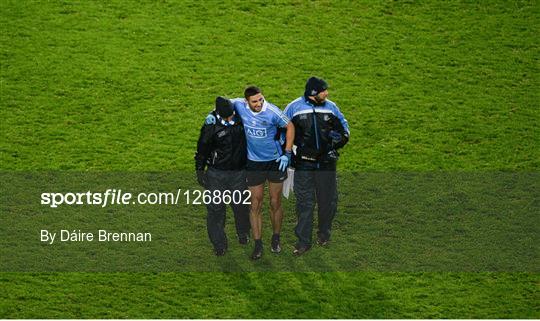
[316, 132]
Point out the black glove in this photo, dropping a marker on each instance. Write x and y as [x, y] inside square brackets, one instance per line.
[201, 178]
[335, 136]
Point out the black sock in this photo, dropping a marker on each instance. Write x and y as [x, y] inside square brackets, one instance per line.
[275, 236]
[258, 243]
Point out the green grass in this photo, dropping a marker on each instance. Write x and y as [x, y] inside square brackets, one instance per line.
[269, 295]
[124, 86]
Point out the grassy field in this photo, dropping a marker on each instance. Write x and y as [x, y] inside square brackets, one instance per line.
[124, 86]
[270, 295]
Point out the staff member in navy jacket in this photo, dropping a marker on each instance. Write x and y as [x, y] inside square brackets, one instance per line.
[321, 129]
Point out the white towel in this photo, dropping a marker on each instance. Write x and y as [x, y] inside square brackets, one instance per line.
[288, 184]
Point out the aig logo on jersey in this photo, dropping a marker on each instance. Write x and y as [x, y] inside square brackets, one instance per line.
[256, 132]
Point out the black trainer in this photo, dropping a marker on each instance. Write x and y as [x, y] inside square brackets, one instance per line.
[243, 239]
[257, 251]
[219, 252]
[322, 241]
[275, 246]
[301, 249]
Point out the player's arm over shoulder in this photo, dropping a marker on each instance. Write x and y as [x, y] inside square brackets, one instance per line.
[238, 103]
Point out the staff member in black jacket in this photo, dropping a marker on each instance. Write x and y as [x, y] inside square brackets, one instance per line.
[222, 147]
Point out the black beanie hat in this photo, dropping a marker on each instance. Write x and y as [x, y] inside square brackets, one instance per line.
[314, 86]
[224, 107]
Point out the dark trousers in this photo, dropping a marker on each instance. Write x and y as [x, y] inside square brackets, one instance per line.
[215, 220]
[315, 184]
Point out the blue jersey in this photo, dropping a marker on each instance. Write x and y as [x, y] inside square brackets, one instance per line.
[261, 129]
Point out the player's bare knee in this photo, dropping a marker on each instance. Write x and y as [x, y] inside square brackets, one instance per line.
[256, 204]
[275, 204]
